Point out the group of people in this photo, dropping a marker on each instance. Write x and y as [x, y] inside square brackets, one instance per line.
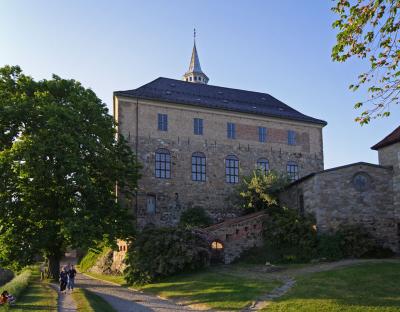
[67, 278]
[5, 297]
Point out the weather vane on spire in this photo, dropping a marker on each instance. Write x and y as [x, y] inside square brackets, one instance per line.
[194, 34]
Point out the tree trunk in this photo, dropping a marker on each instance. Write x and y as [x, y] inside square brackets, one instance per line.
[53, 269]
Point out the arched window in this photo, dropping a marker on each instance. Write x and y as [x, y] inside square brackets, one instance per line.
[263, 165]
[163, 164]
[232, 169]
[216, 245]
[292, 170]
[198, 167]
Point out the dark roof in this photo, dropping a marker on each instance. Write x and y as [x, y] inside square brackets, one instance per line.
[392, 138]
[208, 96]
[361, 163]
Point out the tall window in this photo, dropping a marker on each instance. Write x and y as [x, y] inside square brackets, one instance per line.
[232, 169]
[263, 165]
[262, 134]
[291, 137]
[151, 204]
[163, 164]
[198, 167]
[163, 122]
[292, 171]
[231, 129]
[198, 126]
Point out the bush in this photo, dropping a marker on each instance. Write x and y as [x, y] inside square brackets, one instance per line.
[260, 191]
[356, 241]
[18, 284]
[290, 237]
[195, 217]
[161, 252]
[330, 247]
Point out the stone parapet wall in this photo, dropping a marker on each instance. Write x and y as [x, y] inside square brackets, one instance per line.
[238, 234]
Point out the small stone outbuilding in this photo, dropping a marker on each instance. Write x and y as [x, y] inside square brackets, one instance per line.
[361, 193]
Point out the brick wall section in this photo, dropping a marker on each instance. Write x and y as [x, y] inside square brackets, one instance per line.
[138, 123]
[238, 235]
[334, 200]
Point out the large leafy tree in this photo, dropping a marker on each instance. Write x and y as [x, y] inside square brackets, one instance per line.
[60, 163]
[368, 29]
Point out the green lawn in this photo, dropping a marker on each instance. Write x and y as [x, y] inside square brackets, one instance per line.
[212, 289]
[38, 296]
[361, 288]
[89, 302]
[118, 279]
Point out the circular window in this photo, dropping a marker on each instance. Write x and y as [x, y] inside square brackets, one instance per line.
[361, 181]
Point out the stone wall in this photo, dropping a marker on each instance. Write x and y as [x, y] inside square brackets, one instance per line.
[390, 156]
[237, 235]
[355, 194]
[138, 123]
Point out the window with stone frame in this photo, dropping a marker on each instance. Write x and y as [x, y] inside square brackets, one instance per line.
[231, 130]
[291, 137]
[263, 165]
[198, 167]
[198, 126]
[162, 122]
[232, 169]
[163, 164]
[292, 170]
[262, 134]
[151, 204]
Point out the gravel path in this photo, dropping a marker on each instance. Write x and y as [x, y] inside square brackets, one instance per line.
[127, 300]
[65, 302]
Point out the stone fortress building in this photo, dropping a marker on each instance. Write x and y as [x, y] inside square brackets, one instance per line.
[196, 141]
[360, 193]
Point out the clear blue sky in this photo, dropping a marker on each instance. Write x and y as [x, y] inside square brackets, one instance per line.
[278, 47]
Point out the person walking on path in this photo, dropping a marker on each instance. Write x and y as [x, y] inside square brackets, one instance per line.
[71, 278]
[63, 279]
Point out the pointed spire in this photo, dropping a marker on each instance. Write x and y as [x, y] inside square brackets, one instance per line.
[195, 74]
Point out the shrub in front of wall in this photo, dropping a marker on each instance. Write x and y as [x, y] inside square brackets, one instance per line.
[195, 217]
[330, 246]
[290, 237]
[356, 241]
[160, 252]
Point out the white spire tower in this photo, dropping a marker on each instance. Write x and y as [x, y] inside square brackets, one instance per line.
[195, 74]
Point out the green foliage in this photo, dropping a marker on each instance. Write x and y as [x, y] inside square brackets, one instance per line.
[330, 247]
[368, 29]
[19, 283]
[260, 191]
[356, 241]
[290, 237]
[60, 160]
[161, 252]
[195, 217]
[91, 257]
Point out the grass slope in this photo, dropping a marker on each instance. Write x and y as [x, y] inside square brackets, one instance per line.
[212, 289]
[361, 288]
[89, 302]
[33, 296]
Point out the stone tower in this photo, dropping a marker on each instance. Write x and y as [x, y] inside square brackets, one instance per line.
[389, 155]
[195, 74]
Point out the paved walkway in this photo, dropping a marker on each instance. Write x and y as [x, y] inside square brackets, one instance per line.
[127, 300]
[65, 302]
